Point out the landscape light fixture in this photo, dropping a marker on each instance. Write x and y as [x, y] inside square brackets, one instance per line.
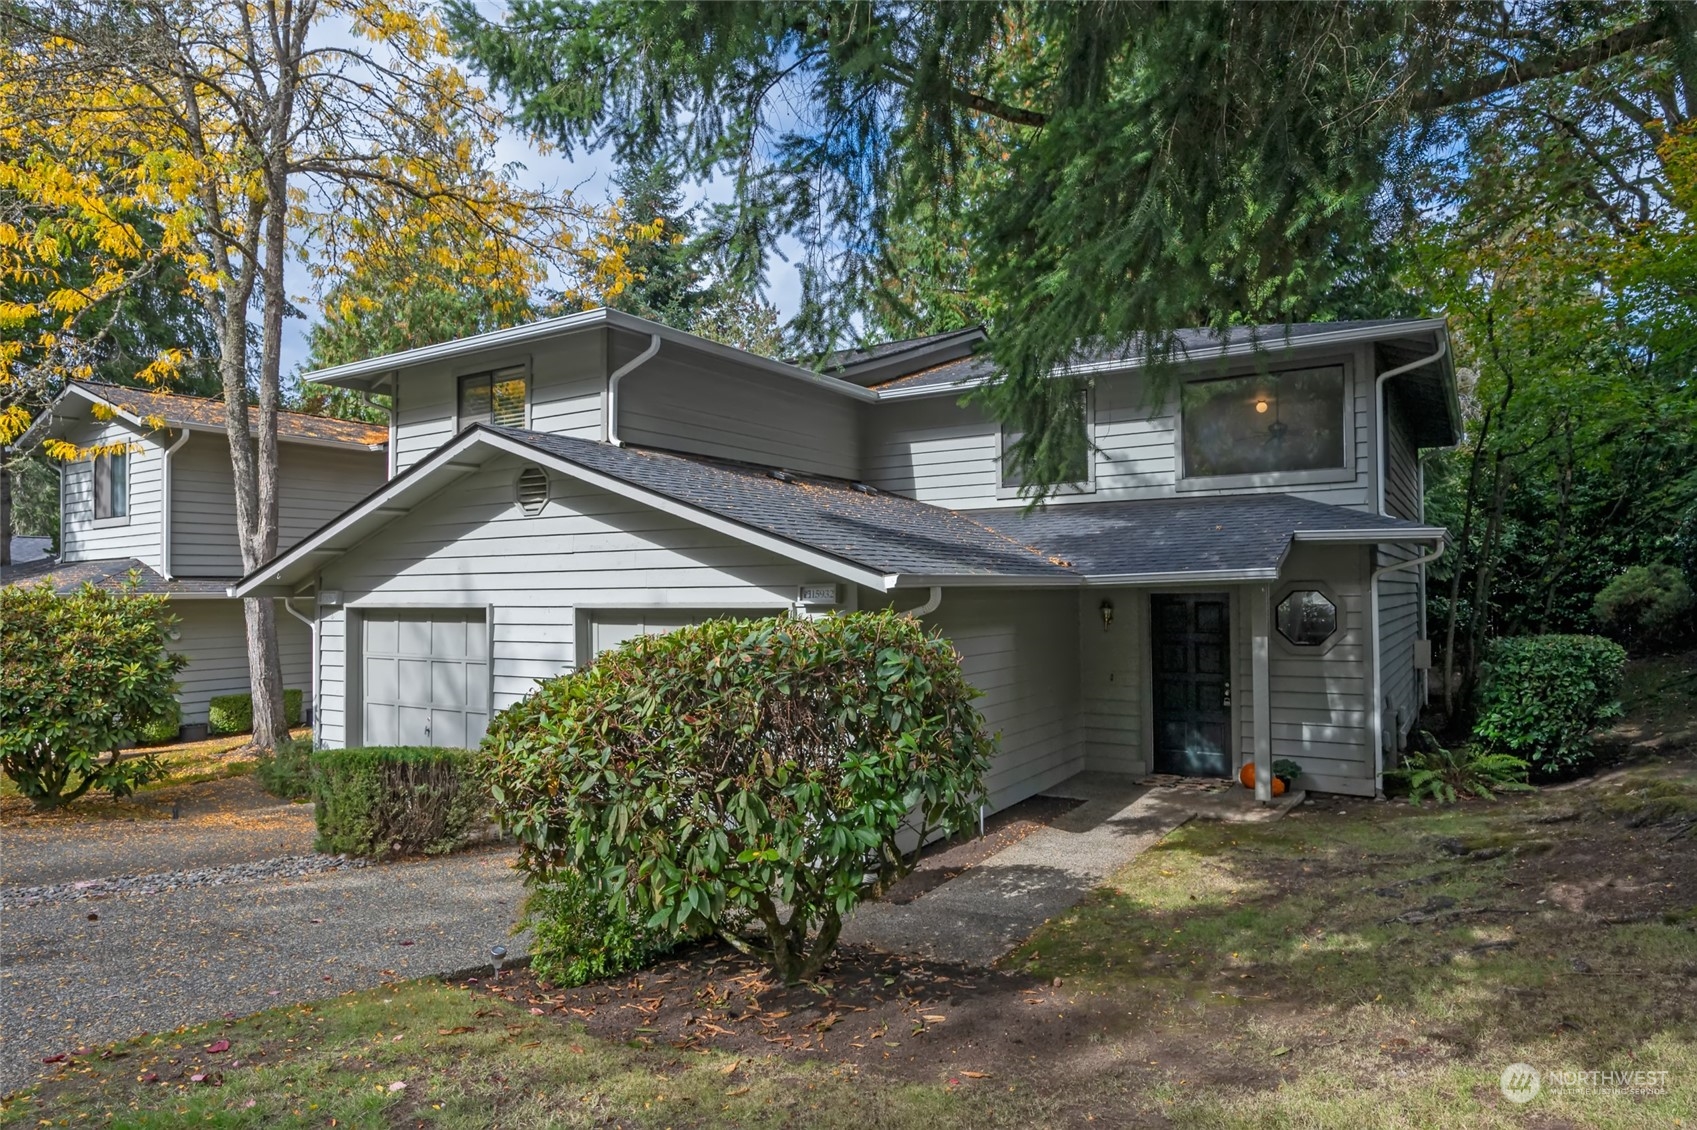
[497, 954]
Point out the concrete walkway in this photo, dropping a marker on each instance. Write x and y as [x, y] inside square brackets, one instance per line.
[985, 912]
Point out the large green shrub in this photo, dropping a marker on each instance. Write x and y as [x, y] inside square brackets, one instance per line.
[400, 800]
[752, 778]
[233, 713]
[1685, 545]
[1647, 605]
[80, 677]
[286, 771]
[1540, 697]
[165, 727]
[579, 935]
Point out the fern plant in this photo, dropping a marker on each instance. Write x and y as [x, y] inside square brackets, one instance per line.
[1443, 775]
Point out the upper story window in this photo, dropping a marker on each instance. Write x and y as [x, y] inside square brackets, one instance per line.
[494, 398]
[112, 485]
[1266, 424]
[1080, 476]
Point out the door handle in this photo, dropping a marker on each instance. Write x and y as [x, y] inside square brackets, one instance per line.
[1226, 698]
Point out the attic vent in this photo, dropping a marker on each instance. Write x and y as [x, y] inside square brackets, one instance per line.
[781, 476]
[533, 490]
[864, 488]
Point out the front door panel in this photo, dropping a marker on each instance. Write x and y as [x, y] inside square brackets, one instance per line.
[1192, 675]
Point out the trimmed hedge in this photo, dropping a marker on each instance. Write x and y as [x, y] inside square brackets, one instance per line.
[233, 713]
[164, 728]
[395, 800]
[577, 936]
[1540, 698]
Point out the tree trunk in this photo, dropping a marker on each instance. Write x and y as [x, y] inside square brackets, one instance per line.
[1557, 565]
[1463, 544]
[1501, 473]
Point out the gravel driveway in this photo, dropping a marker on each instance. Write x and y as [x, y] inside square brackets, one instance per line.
[79, 971]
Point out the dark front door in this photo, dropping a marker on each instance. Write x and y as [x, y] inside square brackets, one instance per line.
[1192, 685]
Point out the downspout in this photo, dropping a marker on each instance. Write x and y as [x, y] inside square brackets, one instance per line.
[387, 410]
[312, 627]
[1378, 711]
[1383, 430]
[611, 423]
[165, 507]
[930, 604]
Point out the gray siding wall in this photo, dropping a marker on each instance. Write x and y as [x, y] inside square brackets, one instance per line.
[1399, 593]
[938, 451]
[753, 417]
[567, 381]
[1402, 481]
[1020, 649]
[1114, 676]
[471, 546]
[85, 540]
[213, 635]
[1319, 698]
[315, 485]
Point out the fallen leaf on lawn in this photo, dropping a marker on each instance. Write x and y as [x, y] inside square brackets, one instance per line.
[217, 1046]
[738, 1091]
[1280, 1051]
[934, 1018]
[730, 1067]
[455, 1031]
[60, 1058]
[577, 1049]
[976, 1074]
[201, 1078]
[397, 1085]
[536, 1012]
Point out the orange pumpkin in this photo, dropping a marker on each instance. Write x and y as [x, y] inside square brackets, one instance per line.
[1278, 787]
[1246, 775]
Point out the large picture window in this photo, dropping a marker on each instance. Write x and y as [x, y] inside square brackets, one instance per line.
[1265, 424]
[494, 398]
[112, 485]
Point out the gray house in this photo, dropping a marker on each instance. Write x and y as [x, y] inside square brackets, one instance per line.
[1236, 575]
[163, 510]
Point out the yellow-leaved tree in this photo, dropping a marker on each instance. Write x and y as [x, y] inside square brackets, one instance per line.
[223, 138]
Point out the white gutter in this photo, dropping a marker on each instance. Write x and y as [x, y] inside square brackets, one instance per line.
[1382, 433]
[930, 605]
[1377, 734]
[610, 424]
[165, 509]
[312, 626]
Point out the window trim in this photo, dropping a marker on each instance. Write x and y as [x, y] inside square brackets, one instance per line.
[1087, 485]
[1308, 650]
[1350, 472]
[487, 370]
[109, 521]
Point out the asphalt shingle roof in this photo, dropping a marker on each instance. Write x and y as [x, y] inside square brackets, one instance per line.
[1193, 344]
[1218, 533]
[882, 532]
[67, 579]
[179, 410]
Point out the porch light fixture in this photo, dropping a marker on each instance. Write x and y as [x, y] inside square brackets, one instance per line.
[1261, 405]
[1107, 611]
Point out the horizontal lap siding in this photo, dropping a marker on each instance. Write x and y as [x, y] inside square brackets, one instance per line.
[470, 546]
[1021, 651]
[752, 418]
[213, 635]
[1399, 593]
[329, 719]
[1113, 672]
[139, 537]
[939, 452]
[1320, 700]
[314, 484]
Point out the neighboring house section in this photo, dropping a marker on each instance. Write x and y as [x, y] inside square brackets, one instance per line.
[155, 506]
[1234, 576]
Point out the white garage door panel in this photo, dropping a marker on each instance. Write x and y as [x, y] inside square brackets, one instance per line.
[610, 629]
[426, 678]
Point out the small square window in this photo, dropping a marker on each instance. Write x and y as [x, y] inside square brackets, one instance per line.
[1306, 617]
[1080, 476]
[112, 485]
[494, 398]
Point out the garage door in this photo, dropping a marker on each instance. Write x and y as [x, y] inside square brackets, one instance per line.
[426, 678]
[610, 629]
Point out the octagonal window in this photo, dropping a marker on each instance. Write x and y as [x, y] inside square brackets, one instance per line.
[1306, 617]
